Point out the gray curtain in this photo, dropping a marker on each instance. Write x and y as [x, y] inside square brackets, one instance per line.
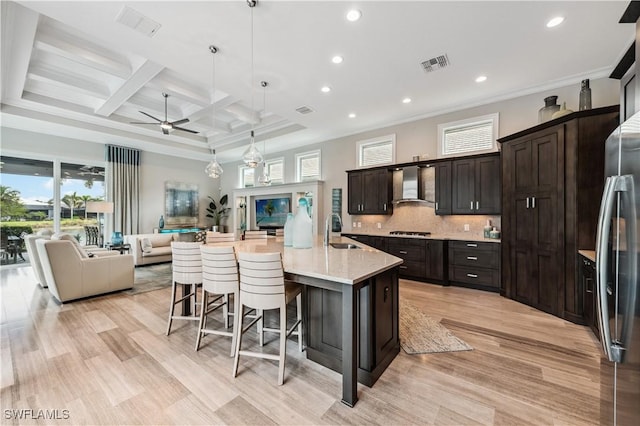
[123, 188]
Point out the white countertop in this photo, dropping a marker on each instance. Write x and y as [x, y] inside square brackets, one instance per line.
[346, 266]
[458, 237]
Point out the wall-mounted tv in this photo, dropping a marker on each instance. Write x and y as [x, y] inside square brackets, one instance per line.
[272, 212]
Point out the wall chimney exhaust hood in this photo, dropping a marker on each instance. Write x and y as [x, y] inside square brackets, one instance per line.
[412, 190]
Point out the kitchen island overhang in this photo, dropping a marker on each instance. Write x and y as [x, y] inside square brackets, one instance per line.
[351, 309]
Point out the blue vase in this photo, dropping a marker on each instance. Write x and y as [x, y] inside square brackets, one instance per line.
[161, 222]
[116, 238]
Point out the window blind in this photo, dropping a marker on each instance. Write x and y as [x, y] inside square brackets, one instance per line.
[275, 170]
[376, 153]
[468, 138]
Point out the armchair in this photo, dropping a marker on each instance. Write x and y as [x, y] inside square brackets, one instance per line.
[34, 257]
[72, 276]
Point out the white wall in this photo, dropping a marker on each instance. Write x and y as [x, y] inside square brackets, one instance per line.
[420, 137]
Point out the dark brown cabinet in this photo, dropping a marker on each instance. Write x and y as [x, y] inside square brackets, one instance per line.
[413, 252]
[587, 281]
[475, 264]
[476, 185]
[552, 180]
[443, 188]
[370, 192]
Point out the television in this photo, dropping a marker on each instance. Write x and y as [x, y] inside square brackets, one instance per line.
[272, 212]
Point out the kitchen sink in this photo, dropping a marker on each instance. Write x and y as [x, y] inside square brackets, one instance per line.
[344, 246]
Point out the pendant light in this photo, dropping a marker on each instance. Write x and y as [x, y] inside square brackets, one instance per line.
[213, 169]
[264, 179]
[252, 156]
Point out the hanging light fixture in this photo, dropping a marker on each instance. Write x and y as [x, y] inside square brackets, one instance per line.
[252, 156]
[213, 169]
[264, 179]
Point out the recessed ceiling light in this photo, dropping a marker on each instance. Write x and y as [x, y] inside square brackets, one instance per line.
[406, 100]
[325, 89]
[554, 22]
[352, 115]
[481, 78]
[337, 59]
[353, 15]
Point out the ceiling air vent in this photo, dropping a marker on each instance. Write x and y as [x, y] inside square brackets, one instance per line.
[137, 21]
[435, 64]
[304, 109]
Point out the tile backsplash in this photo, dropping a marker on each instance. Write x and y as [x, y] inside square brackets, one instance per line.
[420, 217]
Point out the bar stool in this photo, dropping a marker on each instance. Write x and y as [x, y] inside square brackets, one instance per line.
[262, 287]
[255, 235]
[219, 280]
[187, 270]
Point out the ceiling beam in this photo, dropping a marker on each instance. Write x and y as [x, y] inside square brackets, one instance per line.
[19, 26]
[147, 71]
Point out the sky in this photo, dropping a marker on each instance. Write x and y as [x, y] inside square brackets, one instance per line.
[33, 188]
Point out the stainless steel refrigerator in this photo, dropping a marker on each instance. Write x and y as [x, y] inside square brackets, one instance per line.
[618, 292]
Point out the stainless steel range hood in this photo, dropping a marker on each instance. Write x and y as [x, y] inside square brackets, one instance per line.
[411, 186]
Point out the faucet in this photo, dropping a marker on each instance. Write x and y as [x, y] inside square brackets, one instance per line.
[326, 226]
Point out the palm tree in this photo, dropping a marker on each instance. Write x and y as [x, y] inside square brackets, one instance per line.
[85, 199]
[72, 201]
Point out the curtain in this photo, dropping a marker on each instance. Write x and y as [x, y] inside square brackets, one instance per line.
[123, 189]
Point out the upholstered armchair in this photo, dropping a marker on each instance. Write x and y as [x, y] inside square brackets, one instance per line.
[34, 257]
[72, 274]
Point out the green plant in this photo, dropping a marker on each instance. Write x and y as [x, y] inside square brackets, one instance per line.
[218, 211]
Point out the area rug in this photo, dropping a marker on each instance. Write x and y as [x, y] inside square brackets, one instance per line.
[420, 334]
[150, 278]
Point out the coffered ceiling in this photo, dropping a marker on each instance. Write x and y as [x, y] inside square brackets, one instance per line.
[72, 69]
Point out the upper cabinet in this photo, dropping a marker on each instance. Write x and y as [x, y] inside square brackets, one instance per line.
[443, 188]
[476, 185]
[370, 192]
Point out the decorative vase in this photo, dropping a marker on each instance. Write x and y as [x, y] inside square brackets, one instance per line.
[161, 222]
[215, 228]
[585, 96]
[302, 227]
[550, 106]
[288, 230]
[561, 112]
[116, 238]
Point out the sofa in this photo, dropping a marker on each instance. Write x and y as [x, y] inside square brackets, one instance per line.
[72, 273]
[151, 248]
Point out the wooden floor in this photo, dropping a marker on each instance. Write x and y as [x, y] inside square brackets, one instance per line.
[107, 360]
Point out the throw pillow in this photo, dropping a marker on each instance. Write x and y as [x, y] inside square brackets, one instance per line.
[146, 245]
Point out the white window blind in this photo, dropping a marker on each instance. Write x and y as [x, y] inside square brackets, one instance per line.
[247, 177]
[375, 152]
[468, 136]
[308, 166]
[275, 169]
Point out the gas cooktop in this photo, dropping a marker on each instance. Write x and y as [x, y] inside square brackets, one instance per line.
[418, 233]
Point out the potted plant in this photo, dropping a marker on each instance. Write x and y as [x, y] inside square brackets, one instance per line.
[218, 211]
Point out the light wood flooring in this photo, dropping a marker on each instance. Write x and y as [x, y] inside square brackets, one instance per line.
[107, 361]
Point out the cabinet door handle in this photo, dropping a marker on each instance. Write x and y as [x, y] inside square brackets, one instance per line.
[589, 284]
[403, 252]
[403, 267]
[472, 275]
[477, 205]
[472, 245]
[533, 202]
[527, 202]
[385, 206]
[436, 205]
[471, 205]
[472, 258]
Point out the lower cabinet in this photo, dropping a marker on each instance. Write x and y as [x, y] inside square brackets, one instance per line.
[586, 283]
[378, 327]
[475, 264]
[413, 252]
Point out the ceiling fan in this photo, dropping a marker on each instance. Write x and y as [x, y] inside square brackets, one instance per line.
[165, 124]
[91, 171]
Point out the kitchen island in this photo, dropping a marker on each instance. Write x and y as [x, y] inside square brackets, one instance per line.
[351, 317]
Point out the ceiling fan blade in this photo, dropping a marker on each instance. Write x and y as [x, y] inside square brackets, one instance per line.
[179, 122]
[184, 130]
[139, 122]
[151, 116]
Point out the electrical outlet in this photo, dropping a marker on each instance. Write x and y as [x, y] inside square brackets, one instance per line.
[379, 225]
[359, 224]
[354, 225]
[466, 227]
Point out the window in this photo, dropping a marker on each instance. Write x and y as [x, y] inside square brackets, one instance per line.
[308, 166]
[470, 136]
[378, 151]
[247, 175]
[275, 169]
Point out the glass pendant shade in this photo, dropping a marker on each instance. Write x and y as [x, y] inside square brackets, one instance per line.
[264, 179]
[214, 169]
[252, 156]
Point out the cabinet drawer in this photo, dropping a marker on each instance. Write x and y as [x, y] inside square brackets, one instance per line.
[412, 269]
[479, 276]
[407, 249]
[474, 245]
[474, 258]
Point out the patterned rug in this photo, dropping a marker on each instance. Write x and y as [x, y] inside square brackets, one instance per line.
[150, 278]
[420, 334]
